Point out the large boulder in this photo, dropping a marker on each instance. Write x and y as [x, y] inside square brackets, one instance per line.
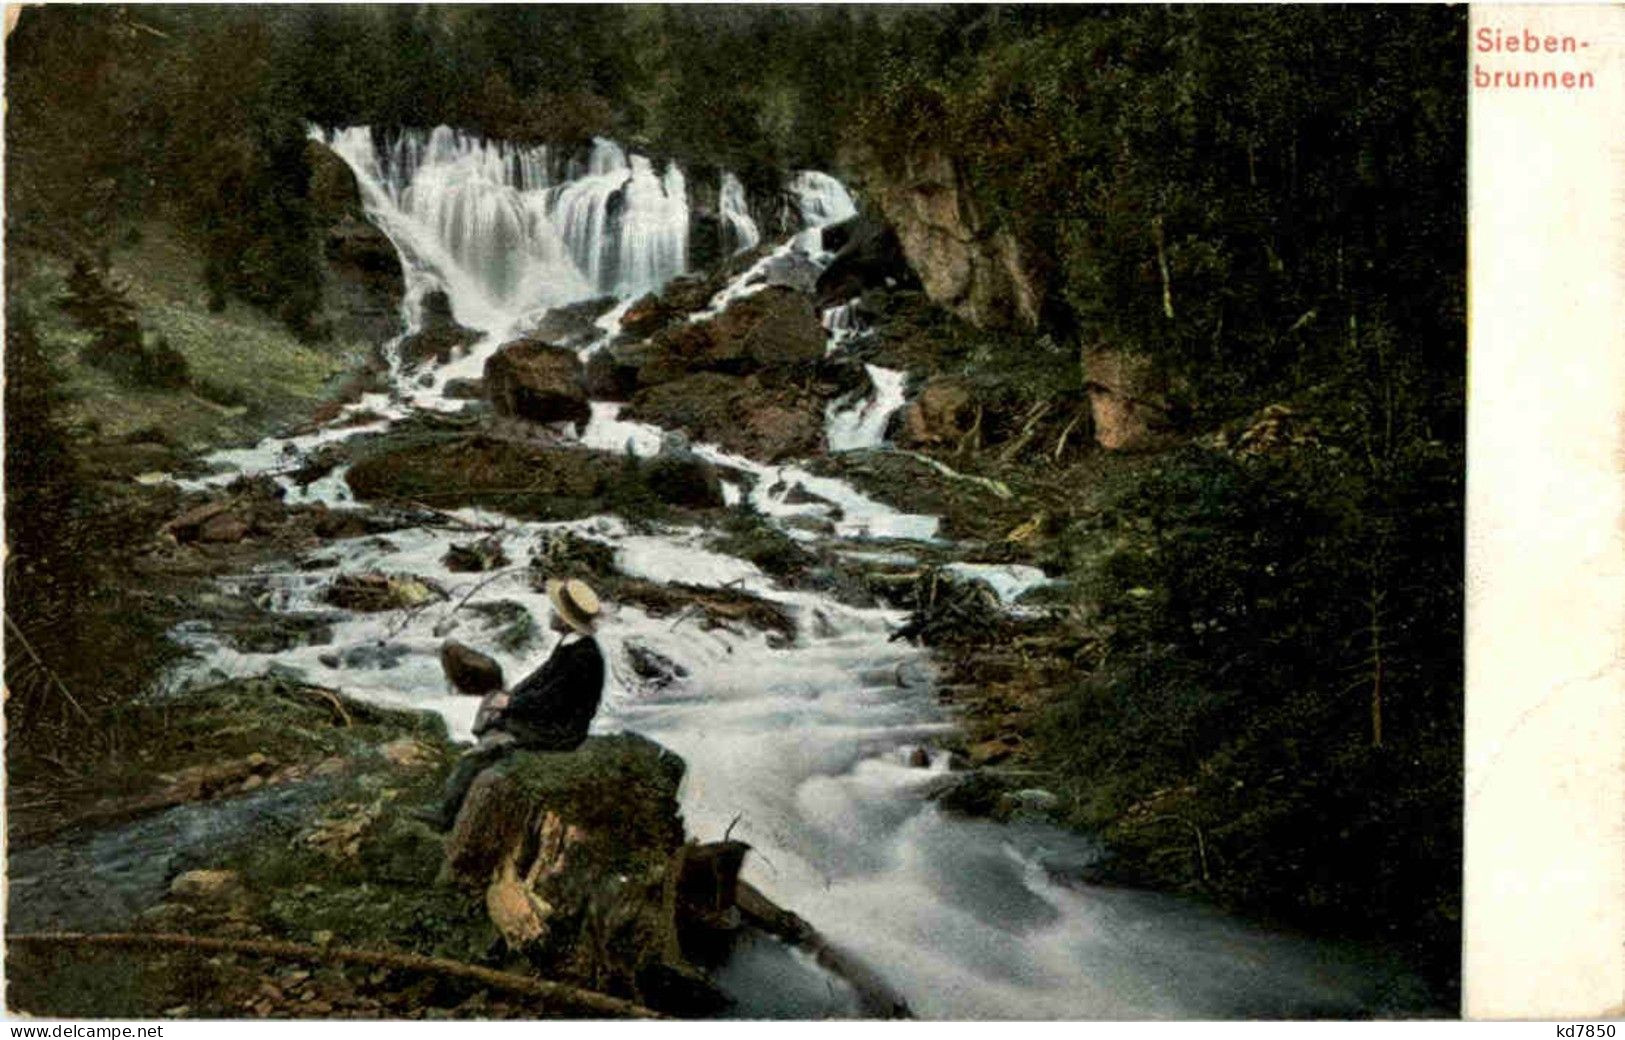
[793, 270]
[742, 414]
[574, 325]
[775, 331]
[534, 380]
[941, 414]
[612, 372]
[364, 285]
[1128, 400]
[870, 257]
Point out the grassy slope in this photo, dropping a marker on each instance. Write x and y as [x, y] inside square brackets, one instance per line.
[249, 373]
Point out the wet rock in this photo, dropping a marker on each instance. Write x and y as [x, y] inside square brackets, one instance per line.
[941, 414]
[440, 338]
[612, 372]
[685, 480]
[364, 282]
[919, 758]
[464, 389]
[469, 671]
[575, 325]
[869, 256]
[338, 523]
[483, 555]
[380, 656]
[535, 380]
[647, 315]
[654, 669]
[773, 331]
[375, 592]
[707, 898]
[791, 271]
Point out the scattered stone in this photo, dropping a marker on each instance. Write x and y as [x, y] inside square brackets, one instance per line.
[382, 656]
[469, 671]
[223, 528]
[374, 592]
[407, 753]
[654, 669]
[207, 886]
[483, 555]
[464, 389]
[919, 758]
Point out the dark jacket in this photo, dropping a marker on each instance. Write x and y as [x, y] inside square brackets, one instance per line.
[552, 707]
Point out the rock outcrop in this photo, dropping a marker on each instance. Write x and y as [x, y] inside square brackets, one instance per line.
[941, 414]
[537, 381]
[775, 330]
[364, 286]
[965, 265]
[440, 338]
[1128, 400]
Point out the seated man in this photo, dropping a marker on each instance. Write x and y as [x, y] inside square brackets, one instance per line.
[549, 710]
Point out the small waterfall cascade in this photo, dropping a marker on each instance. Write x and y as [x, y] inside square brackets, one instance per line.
[821, 200]
[741, 228]
[859, 421]
[842, 323]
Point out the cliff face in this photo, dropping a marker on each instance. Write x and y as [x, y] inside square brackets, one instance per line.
[363, 285]
[973, 270]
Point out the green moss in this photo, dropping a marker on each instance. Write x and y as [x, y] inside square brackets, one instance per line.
[748, 535]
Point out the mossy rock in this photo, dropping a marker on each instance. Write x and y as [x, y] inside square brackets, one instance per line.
[531, 481]
[620, 791]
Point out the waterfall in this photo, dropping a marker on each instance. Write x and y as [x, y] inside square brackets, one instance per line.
[821, 200]
[859, 421]
[487, 222]
[743, 233]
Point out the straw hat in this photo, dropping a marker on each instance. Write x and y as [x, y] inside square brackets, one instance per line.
[575, 602]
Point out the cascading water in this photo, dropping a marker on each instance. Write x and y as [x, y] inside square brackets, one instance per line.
[483, 221]
[854, 424]
[821, 200]
[743, 233]
[804, 750]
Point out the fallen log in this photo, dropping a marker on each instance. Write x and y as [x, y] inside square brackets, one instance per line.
[875, 998]
[561, 996]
